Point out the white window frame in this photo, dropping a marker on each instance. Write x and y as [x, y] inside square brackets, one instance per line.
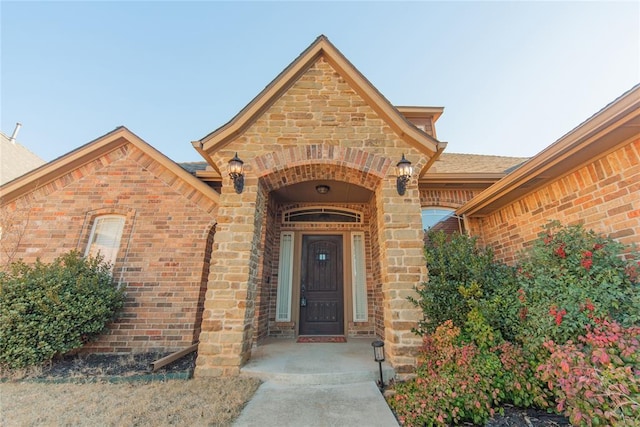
[359, 278]
[116, 238]
[292, 215]
[285, 277]
[441, 214]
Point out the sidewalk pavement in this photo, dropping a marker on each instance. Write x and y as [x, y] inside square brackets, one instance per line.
[316, 385]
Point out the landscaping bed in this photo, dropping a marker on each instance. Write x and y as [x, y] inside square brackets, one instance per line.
[106, 367]
[113, 390]
[517, 417]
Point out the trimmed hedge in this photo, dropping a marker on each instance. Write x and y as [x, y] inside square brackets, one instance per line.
[50, 309]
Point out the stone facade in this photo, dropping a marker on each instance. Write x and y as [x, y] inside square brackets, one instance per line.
[320, 129]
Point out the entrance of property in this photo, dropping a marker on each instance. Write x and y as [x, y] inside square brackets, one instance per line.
[321, 286]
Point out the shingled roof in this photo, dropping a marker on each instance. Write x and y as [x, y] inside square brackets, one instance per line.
[474, 163]
[16, 160]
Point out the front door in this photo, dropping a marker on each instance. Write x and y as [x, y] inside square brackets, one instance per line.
[321, 284]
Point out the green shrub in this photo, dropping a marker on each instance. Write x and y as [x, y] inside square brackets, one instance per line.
[597, 381]
[50, 309]
[571, 277]
[464, 277]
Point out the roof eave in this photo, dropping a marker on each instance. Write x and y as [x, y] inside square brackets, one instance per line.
[588, 141]
[460, 177]
[411, 111]
[87, 153]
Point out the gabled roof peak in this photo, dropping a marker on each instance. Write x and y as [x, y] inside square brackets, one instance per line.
[321, 47]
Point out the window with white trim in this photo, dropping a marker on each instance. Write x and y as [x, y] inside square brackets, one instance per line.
[105, 237]
[432, 216]
[359, 278]
[285, 278]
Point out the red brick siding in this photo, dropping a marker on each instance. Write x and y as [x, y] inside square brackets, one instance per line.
[270, 244]
[603, 196]
[164, 249]
[375, 294]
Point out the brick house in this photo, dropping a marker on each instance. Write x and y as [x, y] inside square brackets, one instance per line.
[319, 235]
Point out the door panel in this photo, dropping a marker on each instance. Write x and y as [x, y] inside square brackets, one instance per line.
[321, 286]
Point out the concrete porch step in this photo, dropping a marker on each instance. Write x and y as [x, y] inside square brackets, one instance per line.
[286, 362]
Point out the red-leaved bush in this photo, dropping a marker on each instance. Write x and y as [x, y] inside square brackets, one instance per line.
[457, 381]
[596, 382]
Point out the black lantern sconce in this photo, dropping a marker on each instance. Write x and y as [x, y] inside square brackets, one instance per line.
[236, 173]
[378, 356]
[405, 170]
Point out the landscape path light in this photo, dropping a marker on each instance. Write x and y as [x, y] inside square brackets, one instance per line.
[378, 356]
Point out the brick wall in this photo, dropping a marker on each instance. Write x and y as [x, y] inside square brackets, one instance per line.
[163, 251]
[446, 198]
[376, 271]
[269, 244]
[603, 196]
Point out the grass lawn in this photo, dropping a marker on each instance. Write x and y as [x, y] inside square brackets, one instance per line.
[196, 402]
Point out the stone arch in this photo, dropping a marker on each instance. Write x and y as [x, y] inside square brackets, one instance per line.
[309, 172]
[303, 155]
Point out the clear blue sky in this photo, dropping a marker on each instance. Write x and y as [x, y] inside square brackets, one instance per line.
[513, 76]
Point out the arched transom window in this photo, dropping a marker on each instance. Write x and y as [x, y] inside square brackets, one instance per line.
[322, 214]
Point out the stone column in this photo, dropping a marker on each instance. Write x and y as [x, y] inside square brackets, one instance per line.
[225, 340]
[403, 267]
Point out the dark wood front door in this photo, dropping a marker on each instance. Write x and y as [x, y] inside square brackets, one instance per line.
[321, 285]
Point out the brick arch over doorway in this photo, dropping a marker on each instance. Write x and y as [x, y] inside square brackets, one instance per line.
[295, 161]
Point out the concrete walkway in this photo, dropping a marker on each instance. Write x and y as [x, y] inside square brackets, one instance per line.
[318, 384]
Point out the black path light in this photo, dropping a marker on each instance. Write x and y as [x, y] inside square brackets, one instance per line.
[405, 170]
[236, 173]
[378, 356]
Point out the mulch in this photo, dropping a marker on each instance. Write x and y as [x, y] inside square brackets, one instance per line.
[103, 366]
[518, 417]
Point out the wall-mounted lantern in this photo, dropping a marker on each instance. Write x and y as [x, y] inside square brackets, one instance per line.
[236, 173]
[378, 356]
[405, 170]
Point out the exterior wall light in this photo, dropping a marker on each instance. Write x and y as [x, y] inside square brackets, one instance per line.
[405, 170]
[378, 356]
[236, 173]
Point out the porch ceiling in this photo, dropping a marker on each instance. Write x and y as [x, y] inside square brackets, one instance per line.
[339, 192]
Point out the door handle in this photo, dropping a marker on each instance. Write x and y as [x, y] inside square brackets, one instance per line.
[303, 298]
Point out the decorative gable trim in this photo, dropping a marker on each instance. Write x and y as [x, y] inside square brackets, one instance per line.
[604, 132]
[320, 47]
[77, 159]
